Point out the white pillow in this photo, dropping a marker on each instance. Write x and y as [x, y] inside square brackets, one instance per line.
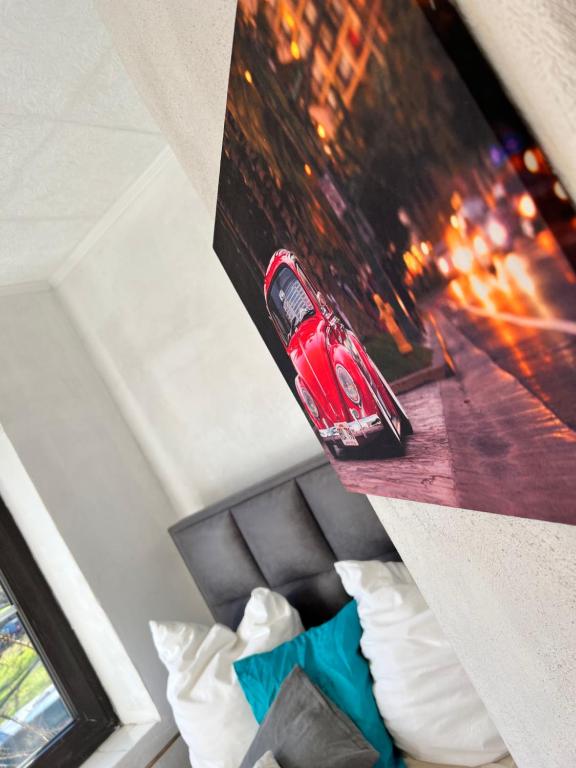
[210, 710]
[428, 703]
[267, 761]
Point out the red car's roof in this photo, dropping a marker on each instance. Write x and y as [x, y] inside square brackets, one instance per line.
[279, 258]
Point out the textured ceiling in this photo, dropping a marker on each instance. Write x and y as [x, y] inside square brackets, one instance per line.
[73, 132]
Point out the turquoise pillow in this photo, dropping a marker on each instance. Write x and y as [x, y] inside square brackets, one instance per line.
[330, 656]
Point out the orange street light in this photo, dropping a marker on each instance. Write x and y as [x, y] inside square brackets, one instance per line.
[248, 77]
[307, 169]
[559, 191]
[463, 259]
[527, 207]
[295, 49]
[458, 291]
[456, 200]
[321, 131]
[516, 268]
[443, 266]
[531, 161]
[480, 246]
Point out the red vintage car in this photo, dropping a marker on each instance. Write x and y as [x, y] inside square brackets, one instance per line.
[344, 394]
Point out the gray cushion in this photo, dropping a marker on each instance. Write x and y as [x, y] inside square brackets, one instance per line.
[347, 519]
[304, 729]
[215, 546]
[283, 535]
[317, 598]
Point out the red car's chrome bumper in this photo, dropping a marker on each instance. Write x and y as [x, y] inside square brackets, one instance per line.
[364, 427]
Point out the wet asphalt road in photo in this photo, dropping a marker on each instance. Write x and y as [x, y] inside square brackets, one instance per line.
[498, 436]
[531, 334]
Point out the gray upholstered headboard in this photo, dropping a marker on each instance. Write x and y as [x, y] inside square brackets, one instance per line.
[285, 534]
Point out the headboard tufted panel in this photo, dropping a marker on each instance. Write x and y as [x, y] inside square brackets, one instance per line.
[285, 534]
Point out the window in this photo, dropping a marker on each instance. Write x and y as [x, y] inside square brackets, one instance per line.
[345, 69]
[288, 302]
[311, 13]
[333, 99]
[319, 68]
[336, 10]
[53, 710]
[327, 39]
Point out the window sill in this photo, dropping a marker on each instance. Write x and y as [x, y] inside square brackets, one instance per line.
[116, 750]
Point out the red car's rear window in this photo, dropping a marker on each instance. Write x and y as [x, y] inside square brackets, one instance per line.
[288, 302]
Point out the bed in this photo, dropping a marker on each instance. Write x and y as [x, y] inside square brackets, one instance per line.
[286, 534]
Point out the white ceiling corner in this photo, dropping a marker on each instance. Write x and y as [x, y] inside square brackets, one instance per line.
[74, 134]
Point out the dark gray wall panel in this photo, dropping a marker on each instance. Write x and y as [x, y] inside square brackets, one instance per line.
[285, 534]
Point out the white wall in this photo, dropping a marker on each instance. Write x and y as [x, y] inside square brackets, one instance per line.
[177, 348]
[504, 589]
[99, 489]
[132, 702]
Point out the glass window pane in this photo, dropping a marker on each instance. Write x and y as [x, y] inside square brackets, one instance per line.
[32, 712]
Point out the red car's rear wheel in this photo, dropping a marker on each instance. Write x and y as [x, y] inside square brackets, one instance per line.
[389, 441]
[341, 452]
[395, 422]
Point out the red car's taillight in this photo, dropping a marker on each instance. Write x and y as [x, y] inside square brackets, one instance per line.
[347, 383]
[308, 400]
